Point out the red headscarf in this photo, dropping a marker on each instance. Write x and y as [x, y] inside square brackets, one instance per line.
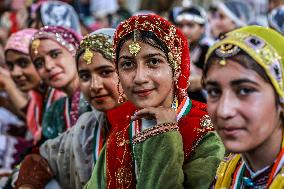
[171, 36]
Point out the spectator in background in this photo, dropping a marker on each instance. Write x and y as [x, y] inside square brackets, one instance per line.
[227, 16]
[192, 22]
[56, 13]
[276, 19]
[272, 4]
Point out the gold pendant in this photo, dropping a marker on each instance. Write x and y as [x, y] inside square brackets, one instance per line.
[88, 55]
[134, 48]
[35, 45]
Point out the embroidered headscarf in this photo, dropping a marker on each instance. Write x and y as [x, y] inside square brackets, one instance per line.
[57, 13]
[100, 41]
[264, 45]
[173, 39]
[65, 37]
[20, 41]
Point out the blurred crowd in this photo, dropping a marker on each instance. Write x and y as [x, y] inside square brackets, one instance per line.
[202, 22]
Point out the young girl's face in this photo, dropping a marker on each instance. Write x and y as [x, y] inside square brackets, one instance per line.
[98, 82]
[54, 63]
[22, 70]
[242, 106]
[146, 78]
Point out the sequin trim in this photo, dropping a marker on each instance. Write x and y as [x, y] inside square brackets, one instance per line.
[156, 130]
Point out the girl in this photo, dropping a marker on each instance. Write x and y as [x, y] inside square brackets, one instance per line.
[168, 141]
[52, 52]
[244, 80]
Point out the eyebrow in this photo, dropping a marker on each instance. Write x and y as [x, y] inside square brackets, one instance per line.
[53, 50]
[146, 56]
[97, 69]
[155, 54]
[233, 83]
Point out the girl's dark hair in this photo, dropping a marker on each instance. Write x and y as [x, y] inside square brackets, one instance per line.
[244, 60]
[146, 37]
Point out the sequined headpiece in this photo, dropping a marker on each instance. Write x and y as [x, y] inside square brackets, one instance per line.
[99, 41]
[20, 40]
[171, 36]
[264, 45]
[65, 37]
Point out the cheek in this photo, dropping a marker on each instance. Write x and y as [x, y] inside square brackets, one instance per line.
[111, 85]
[42, 73]
[211, 109]
[84, 87]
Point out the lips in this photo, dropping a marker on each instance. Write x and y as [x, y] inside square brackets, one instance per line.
[54, 76]
[99, 98]
[143, 92]
[230, 130]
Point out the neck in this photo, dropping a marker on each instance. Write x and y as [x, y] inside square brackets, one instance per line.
[72, 87]
[265, 154]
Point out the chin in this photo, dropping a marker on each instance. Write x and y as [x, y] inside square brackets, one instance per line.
[235, 148]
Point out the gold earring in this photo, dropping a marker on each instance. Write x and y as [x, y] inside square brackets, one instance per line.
[121, 99]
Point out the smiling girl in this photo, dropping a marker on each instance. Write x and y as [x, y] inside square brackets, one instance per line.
[52, 51]
[244, 80]
[167, 142]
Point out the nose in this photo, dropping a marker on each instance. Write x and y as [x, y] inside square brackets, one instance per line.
[227, 106]
[96, 83]
[49, 63]
[140, 74]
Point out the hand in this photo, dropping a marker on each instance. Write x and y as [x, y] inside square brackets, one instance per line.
[161, 114]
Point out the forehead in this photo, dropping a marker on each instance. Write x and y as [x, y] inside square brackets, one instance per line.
[145, 49]
[46, 45]
[231, 71]
[12, 55]
[97, 61]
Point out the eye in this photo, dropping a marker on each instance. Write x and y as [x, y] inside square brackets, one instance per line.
[106, 73]
[213, 92]
[153, 62]
[84, 76]
[245, 91]
[54, 54]
[38, 62]
[23, 63]
[127, 65]
[10, 66]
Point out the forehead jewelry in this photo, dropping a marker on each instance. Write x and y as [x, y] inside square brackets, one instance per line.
[134, 47]
[225, 51]
[35, 45]
[88, 55]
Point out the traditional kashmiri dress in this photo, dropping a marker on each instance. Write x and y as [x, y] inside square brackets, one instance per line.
[187, 157]
[63, 114]
[142, 154]
[233, 172]
[36, 108]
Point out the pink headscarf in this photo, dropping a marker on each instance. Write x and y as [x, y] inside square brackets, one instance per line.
[20, 40]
